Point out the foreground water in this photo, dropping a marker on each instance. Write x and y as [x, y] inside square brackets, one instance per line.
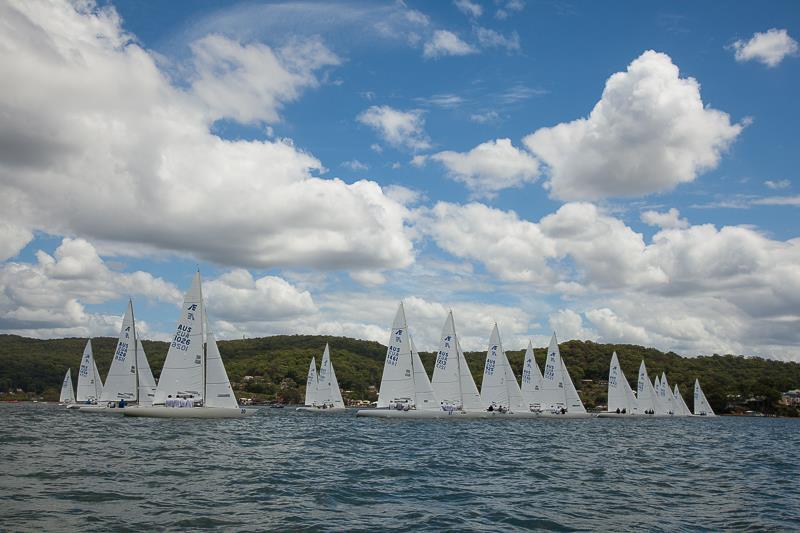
[281, 470]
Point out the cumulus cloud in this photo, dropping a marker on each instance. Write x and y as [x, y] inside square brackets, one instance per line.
[567, 324]
[251, 82]
[769, 47]
[122, 155]
[488, 38]
[490, 167]
[48, 298]
[649, 132]
[12, 239]
[469, 8]
[446, 43]
[668, 220]
[398, 128]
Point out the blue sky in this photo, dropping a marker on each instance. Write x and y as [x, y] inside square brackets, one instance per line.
[620, 172]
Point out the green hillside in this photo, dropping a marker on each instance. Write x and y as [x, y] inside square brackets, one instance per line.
[277, 366]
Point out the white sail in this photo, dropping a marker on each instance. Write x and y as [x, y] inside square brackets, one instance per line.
[98, 381]
[67, 393]
[311, 384]
[328, 389]
[470, 397]
[88, 377]
[397, 382]
[645, 394]
[681, 409]
[573, 400]
[531, 381]
[552, 397]
[183, 368]
[424, 398]
[661, 407]
[499, 386]
[620, 394]
[701, 405]
[666, 395]
[446, 379]
[218, 391]
[121, 378]
[147, 383]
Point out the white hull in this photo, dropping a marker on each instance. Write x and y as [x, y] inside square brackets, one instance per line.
[559, 416]
[102, 409]
[632, 415]
[76, 405]
[189, 412]
[414, 413]
[514, 415]
[309, 409]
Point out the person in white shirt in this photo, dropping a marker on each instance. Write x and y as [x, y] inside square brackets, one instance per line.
[189, 402]
[169, 402]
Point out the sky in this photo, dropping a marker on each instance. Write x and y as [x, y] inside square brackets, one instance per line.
[621, 172]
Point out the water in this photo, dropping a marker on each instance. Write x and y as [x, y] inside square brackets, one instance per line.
[281, 470]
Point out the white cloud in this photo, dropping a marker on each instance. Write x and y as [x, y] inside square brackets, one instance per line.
[249, 83]
[668, 220]
[48, 298]
[488, 38]
[779, 200]
[12, 239]
[355, 164]
[123, 156]
[398, 128]
[369, 278]
[377, 148]
[777, 184]
[446, 43]
[490, 167]
[419, 160]
[649, 132]
[770, 47]
[510, 248]
[236, 296]
[508, 7]
[403, 195]
[567, 324]
[469, 8]
[485, 117]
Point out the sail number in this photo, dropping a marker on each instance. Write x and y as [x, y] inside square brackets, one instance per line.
[122, 350]
[441, 360]
[489, 367]
[182, 340]
[393, 355]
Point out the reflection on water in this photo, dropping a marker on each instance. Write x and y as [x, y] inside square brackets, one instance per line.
[283, 470]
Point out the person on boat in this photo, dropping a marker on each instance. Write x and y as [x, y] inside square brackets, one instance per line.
[406, 407]
[491, 408]
[122, 403]
[563, 411]
[190, 401]
[168, 401]
[618, 410]
[624, 410]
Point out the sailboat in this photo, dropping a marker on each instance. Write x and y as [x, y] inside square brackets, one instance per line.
[531, 382]
[558, 397]
[67, 392]
[666, 395]
[405, 391]
[193, 370]
[328, 396]
[129, 378]
[500, 392]
[701, 405]
[452, 380]
[90, 386]
[646, 398]
[681, 409]
[621, 399]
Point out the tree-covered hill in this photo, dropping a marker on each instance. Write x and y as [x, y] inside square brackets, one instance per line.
[277, 366]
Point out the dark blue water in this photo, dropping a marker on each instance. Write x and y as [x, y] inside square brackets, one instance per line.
[281, 470]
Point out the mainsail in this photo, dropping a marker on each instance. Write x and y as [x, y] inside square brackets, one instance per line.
[701, 405]
[552, 397]
[499, 386]
[531, 381]
[397, 381]
[681, 409]
[67, 393]
[645, 394]
[666, 395]
[620, 394]
[452, 380]
[121, 378]
[89, 387]
[311, 384]
[183, 368]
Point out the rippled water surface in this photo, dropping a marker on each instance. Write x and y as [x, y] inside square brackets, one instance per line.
[283, 470]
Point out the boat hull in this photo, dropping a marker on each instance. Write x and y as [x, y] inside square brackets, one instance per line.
[564, 416]
[307, 409]
[418, 414]
[188, 412]
[101, 409]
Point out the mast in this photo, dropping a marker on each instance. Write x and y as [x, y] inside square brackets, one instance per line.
[135, 351]
[458, 361]
[205, 342]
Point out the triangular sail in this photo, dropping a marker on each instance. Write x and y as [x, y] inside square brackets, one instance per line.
[88, 388]
[531, 381]
[397, 382]
[681, 409]
[645, 394]
[499, 386]
[328, 392]
[423, 390]
[446, 381]
[661, 407]
[667, 396]
[552, 397]
[98, 381]
[573, 400]
[311, 383]
[620, 394]
[183, 367]
[121, 378]
[701, 405]
[67, 393]
[218, 391]
[147, 383]
[470, 397]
